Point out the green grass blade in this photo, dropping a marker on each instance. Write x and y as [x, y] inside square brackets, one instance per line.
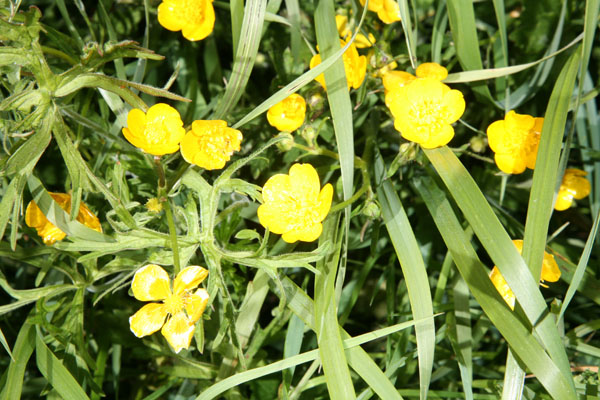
[251, 31]
[502, 59]
[16, 369]
[409, 34]
[440, 23]
[463, 336]
[337, 92]
[236, 11]
[414, 271]
[331, 349]
[545, 174]
[55, 372]
[581, 266]
[514, 379]
[503, 253]
[464, 33]
[475, 275]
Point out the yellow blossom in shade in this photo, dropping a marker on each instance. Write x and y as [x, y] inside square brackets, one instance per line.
[388, 11]
[157, 132]
[550, 273]
[424, 110]
[194, 18]
[354, 65]
[210, 143]
[574, 185]
[515, 141]
[432, 70]
[181, 307]
[360, 41]
[294, 205]
[288, 114]
[49, 233]
[154, 205]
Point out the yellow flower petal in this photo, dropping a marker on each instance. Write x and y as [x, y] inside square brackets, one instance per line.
[390, 12]
[432, 70]
[179, 332]
[288, 114]
[355, 66]
[308, 233]
[396, 79]
[324, 201]
[510, 163]
[305, 182]
[201, 30]
[189, 278]
[195, 304]
[195, 18]
[550, 270]
[454, 102]
[502, 287]
[150, 282]
[564, 200]
[167, 16]
[210, 144]
[148, 319]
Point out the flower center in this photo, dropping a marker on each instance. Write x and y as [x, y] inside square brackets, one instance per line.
[192, 11]
[174, 304]
[156, 130]
[427, 112]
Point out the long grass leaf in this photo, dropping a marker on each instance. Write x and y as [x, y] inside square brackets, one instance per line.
[16, 369]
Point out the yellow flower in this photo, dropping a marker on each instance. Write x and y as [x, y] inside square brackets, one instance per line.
[424, 110]
[154, 205]
[388, 11]
[182, 307]
[157, 132]
[394, 80]
[354, 65]
[49, 233]
[194, 18]
[386, 68]
[515, 141]
[432, 70]
[210, 143]
[294, 205]
[550, 273]
[573, 186]
[361, 41]
[288, 114]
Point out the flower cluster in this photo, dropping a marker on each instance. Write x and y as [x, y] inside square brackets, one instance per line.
[388, 11]
[550, 273]
[49, 233]
[354, 65]
[288, 114]
[209, 144]
[515, 141]
[194, 18]
[294, 205]
[574, 185]
[181, 307]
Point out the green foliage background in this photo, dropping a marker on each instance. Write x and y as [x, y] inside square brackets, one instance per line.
[394, 300]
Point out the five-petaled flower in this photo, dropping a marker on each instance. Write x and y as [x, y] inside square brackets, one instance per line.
[288, 114]
[388, 11]
[157, 132]
[49, 233]
[424, 111]
[550, 273]
[354, 65]
[515, 141]
[181, 307]
[574, 185]
[194, 18]
[210, 143]
[294, 205]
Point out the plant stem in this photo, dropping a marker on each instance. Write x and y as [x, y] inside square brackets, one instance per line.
[164, 199]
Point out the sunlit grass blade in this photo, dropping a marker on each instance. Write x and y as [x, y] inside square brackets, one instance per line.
[519, 337]
[409, 34]
[440, 23]
[462, 335]
[22, 351]
[251, 31]
[503, 253]
[414, 271]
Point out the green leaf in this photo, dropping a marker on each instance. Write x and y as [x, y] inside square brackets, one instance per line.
[16, 369]
[55, 372]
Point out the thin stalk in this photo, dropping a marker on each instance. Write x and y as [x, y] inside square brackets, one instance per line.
[164, 199]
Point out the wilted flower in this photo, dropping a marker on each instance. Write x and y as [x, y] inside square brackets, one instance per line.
[288, 114]
[210, 143]
[354, 65]
[424, 110]
[294, 205]
[156, 132]
[573, 186]
[550, 273]
[432, 70]
[182, 306]
[49, 233]
[388, 11]
[194, 18]
[515, 141]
